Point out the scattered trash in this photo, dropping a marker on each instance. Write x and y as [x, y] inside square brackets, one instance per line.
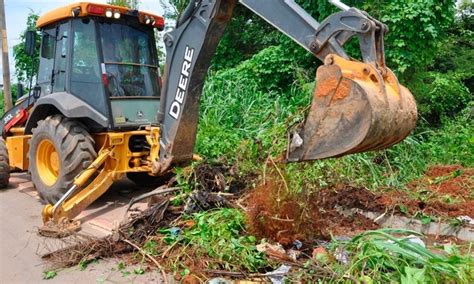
[219, 280]
[159, 231]
[342, 238]
[294, 254]
[297, 244]
[341, 255]
[175, 231]
[264, 247]
[277, 276]
[466, 220]
[416, 240]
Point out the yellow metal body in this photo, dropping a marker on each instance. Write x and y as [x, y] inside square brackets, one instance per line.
[18, 148]
[114, 160]
[65, 12]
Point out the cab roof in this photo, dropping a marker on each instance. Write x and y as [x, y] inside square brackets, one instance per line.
[84, 9]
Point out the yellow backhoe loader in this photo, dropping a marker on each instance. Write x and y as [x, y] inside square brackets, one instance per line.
[100, 109]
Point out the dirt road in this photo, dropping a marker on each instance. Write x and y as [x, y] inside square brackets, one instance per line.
[21, 247]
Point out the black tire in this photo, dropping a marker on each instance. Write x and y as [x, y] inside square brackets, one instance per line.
[145, 180]
[74, 149]
[4, 164]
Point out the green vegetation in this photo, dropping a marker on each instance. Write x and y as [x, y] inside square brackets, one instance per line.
[26, 66]
[125, 3]
[256, 113]
[218, 235]
[49, 274]
[267, 93]
[379, 257]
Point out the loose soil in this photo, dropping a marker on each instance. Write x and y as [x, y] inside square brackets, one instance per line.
[273, 213]
[306, 218]
[444, 191]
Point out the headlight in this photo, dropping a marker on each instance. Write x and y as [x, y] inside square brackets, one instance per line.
[108, 13]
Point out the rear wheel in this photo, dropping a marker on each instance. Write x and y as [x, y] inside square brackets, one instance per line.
[60, 149]
[4, 164]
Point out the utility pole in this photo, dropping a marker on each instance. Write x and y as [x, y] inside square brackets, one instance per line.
[5, 64]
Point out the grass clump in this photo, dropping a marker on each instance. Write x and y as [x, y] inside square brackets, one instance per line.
[380, 257]
[218, 238]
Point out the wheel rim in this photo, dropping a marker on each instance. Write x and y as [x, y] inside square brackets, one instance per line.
[47, 162]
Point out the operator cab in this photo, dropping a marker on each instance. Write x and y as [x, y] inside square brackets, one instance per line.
[106, 56]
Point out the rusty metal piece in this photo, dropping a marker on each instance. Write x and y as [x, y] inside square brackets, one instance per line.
[354, 109]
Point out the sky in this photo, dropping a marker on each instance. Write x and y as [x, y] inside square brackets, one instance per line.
[16, 13]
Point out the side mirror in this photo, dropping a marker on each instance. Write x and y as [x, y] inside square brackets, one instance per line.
[30, 42]
[37, 91]
[20, 91]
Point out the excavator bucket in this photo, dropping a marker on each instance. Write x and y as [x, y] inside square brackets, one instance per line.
[355, 108]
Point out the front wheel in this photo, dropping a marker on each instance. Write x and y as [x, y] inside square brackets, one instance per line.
[4, 164]
[60, 149]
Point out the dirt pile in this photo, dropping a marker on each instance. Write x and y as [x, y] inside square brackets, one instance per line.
[444, 191]
[274, 213]
[277, 215]
[454, 181]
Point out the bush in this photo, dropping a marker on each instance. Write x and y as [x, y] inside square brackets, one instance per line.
[440, 95]
[453, 143]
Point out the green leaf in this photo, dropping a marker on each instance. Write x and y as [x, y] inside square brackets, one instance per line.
[49, 274]
[425, 220]
[403, 209]
[413, 276]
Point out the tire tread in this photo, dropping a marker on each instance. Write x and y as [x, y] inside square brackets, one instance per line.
[76, 151]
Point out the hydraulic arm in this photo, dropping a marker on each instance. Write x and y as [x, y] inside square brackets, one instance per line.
[357, 106]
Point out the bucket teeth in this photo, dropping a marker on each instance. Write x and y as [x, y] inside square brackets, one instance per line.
[354, 109]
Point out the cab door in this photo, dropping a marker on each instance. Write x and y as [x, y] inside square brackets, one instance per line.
[46, 66]
[61, 58]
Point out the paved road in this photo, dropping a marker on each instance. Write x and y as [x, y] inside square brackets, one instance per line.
[21, 247]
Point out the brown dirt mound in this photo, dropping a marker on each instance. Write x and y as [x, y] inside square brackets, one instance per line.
[442, 170]
[275, 214]
[280, 216]
[448, 191]
[454, 181]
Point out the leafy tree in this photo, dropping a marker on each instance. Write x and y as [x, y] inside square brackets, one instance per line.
[133, 4]
[177, 6]
[26, 65]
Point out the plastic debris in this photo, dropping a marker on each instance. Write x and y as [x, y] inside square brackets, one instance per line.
[277, 276]
[416, 240]
[175, 231]
[466, 220]
[263, 247]
[343, 238]
[219, 280]
[341, 255]
[297, 244]
[293, 254]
